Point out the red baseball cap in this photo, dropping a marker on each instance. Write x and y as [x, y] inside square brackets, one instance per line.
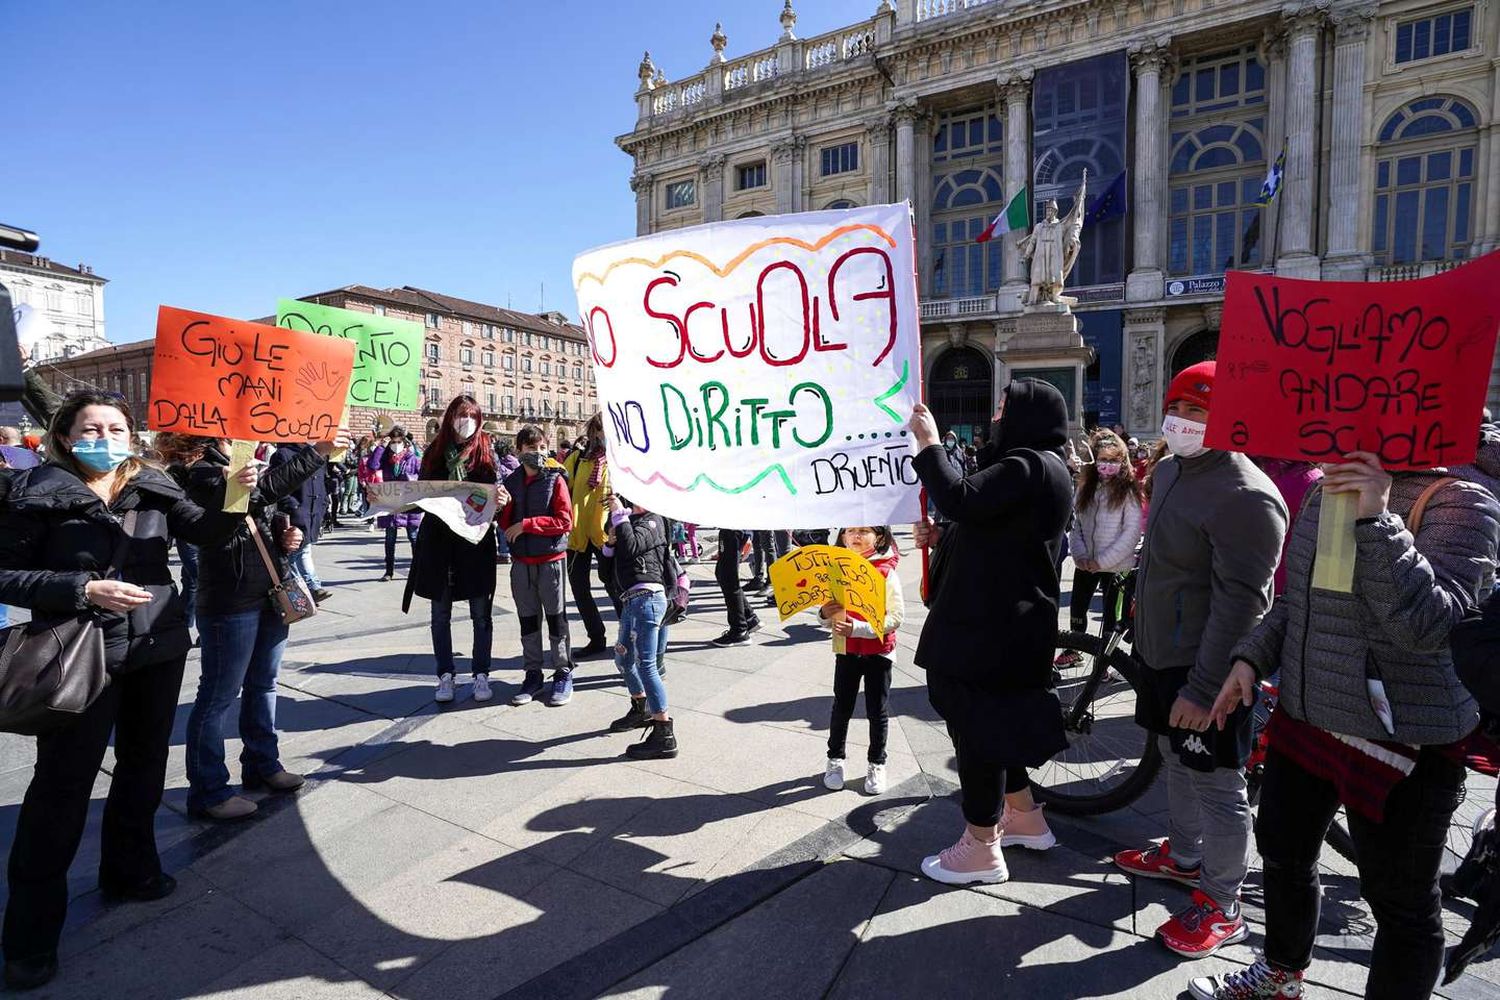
[1193, 385]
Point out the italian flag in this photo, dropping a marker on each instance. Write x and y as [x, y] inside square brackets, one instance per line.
[1017, 215]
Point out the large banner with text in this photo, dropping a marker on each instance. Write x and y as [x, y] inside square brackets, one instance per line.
[760, 373]
[225, 378]
[1313, 370]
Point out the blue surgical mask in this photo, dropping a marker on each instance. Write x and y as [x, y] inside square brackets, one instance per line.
[100, 454]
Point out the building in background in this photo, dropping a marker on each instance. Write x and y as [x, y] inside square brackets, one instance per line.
[60, 309]
[522, 368]
[121, 368]
[1385, 111]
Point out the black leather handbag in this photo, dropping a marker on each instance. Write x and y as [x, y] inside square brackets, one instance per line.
[52, 670]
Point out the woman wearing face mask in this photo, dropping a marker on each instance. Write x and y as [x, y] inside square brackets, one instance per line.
[446, 568]
[63, 533]
[395, 461]
[243, 635]
[1106, 532]
[994, 574]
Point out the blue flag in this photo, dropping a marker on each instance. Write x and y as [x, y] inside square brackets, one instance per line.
[1112, 203]
[1272, 185]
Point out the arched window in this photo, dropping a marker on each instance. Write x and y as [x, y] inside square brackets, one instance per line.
[752, 214]
[961, 393]
[1200, 346]
[968, 191]
[840, 203]
[1217, 164]
[1424, 182]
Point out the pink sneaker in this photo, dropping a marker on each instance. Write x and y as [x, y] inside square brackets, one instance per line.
[1026, 829]
[970, 860]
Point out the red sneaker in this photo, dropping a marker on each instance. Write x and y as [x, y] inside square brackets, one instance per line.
[1202, 929]
[1068, 658]
[1156, 861]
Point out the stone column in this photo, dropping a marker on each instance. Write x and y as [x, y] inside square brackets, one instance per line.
[1148, 210]
[904, 115]
[1487, 218]
[1145, 332]
[644, 186]
[1299, 185]
[922, 190]
[879, 136]
[799, 173]
[784, 175]
[1346, 199]
[1016, 92]
[711, 182]
[1273, 57]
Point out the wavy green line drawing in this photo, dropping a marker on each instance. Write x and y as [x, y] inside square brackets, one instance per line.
[786, 480]
[900, 384]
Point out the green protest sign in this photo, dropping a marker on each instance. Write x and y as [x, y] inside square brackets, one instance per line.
[387, 355]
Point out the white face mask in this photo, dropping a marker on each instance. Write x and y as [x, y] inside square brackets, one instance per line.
[465, 427]
[1184, 437]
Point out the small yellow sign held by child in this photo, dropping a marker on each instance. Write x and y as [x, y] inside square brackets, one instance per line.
[237, 497]
[811, 576]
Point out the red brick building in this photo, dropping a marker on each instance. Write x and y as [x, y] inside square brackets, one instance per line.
[122, 368]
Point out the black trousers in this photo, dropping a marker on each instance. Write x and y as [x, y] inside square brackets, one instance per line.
[848, 671]
[1399, 862]
[1084, 585]
[579, 564]
[765, 548]
[984, 785]
[727, 573]
[139, 708]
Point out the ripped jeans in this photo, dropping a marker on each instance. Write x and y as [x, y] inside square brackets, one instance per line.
[635, 652]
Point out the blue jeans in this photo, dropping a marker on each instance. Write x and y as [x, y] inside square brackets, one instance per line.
[188, 553]
[480, 610]
[635, 653]
[241, 654]
[302, 565]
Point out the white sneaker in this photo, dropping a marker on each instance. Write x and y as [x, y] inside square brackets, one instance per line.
[482, 690]
[444, 689]
[875, 780]
[833, 778]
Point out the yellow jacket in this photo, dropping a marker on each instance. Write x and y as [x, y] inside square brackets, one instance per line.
[589, 513]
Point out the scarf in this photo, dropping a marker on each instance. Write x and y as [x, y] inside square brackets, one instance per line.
[600, 464]
[458, 469]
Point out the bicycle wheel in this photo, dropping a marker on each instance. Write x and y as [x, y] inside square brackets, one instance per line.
[1110, 761]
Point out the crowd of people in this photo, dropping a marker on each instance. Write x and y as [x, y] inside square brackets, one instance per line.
[1212, 552]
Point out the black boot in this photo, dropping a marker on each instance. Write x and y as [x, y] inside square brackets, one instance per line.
[158, 886]
[636, 718]
[660, 743]
[29, 973]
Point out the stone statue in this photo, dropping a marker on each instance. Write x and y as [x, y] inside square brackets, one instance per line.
[1052, 249]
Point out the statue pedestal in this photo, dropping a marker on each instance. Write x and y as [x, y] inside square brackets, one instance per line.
[1047, 345]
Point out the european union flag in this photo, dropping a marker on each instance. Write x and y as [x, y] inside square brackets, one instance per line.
[1112, 203]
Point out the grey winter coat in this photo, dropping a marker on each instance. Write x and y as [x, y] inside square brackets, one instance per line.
[1408, 595]
[1213, 539]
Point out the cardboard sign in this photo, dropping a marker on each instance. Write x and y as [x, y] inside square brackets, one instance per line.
[387, 356]
[230, 379]
[467, 508]
[760, 373]
[237, 497]
[811, 576]
[1313, 370]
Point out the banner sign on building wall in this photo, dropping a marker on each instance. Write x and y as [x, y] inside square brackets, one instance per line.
[387, 356]
[225, 378]
[760, 373]
[1313, 370]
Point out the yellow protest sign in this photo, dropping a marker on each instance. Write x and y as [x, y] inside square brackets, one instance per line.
[237, 497]
[811, 576]
[1333, 569]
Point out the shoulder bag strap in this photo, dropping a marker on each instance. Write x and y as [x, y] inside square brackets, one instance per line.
[1414, 519]
[117, 560]
[265, 554]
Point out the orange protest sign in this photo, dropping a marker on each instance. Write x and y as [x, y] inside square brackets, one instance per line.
[226, 378]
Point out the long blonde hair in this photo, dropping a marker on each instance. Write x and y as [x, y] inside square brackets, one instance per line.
[61, 454]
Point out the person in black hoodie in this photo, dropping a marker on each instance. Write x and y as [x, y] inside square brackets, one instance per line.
[89, 531]
[993, 576]
[241, 630]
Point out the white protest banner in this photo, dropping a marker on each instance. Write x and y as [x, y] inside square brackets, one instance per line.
[467, 508]
[760, 373]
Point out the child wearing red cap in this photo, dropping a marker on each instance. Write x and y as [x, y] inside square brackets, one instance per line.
[1213, 539]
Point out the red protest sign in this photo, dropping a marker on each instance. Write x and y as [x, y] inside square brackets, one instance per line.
[226, 378]
[1312, 370]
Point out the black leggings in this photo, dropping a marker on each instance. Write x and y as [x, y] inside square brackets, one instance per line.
[1119, 590]
[848, 671]
[984, 785]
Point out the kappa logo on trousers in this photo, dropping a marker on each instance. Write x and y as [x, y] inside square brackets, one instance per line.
[1194, 744]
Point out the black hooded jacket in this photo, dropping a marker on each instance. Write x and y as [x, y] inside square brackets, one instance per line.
[993, 585]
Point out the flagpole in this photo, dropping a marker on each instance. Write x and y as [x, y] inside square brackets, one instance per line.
[1276, 229]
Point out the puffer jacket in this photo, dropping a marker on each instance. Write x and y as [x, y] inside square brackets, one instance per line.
[1107, 535]
[58, 536]
[1485, 469]
[404, 468]
[640, 550]
[1408, 595]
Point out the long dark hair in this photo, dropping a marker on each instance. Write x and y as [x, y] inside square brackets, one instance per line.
[884, 540]
[477, 453]
[1118, 488]
[62, 426]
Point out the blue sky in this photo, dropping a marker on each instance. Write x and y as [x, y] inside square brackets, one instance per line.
[215, 156]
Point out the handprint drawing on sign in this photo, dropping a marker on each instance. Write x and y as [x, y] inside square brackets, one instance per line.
[319, 382]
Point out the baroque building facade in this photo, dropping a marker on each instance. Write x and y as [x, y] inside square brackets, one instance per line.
[1382, 112]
